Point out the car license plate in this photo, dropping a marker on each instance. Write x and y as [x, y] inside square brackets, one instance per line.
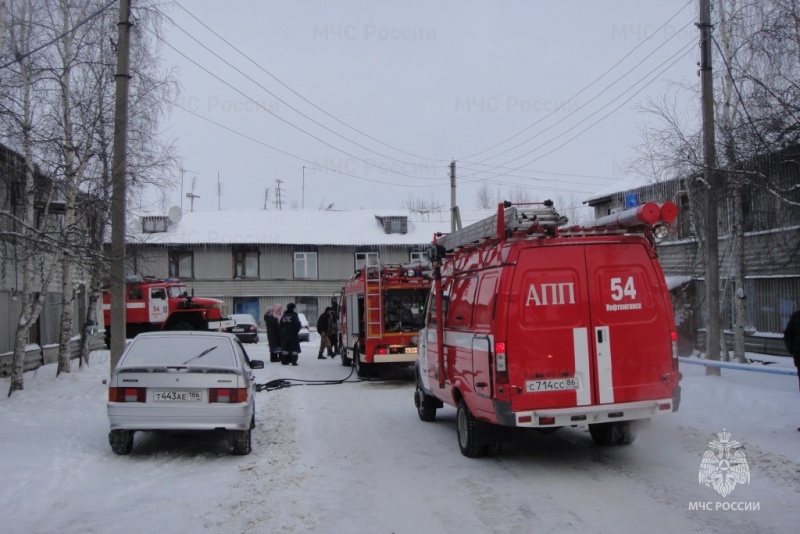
[238, 329]
[178, 395]
[559, 384]
[411, 350]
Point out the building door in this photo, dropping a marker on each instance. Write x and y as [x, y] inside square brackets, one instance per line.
[246, 305]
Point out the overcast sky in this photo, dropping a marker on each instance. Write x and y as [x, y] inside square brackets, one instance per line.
[386, 94]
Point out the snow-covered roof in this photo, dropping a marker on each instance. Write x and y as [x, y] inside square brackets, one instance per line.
[676, 281]
[299, 227]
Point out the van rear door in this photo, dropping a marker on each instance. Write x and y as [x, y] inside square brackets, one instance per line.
[588, 324]
[631, 323]
[547, 341]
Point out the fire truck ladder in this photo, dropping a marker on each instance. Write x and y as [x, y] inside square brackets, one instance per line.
[373, 301]
[515, 218]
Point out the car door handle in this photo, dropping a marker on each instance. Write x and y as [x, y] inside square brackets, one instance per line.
[481, 384]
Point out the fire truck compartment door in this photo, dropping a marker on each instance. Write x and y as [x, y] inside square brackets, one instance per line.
[158, 306]
[481, 358]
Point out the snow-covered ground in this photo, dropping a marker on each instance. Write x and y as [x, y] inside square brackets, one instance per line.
[355, 458]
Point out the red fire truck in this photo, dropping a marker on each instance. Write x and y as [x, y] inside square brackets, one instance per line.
[534, 326]
[381, 312]
[165, 304]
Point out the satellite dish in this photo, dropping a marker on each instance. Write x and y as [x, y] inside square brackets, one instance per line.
[175, 214]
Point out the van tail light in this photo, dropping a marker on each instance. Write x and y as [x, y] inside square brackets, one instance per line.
[227, 395]
[127, 394]
[500, 363]
[381, 350]
[673, 336]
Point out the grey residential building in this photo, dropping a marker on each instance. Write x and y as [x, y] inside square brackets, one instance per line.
[253, 258]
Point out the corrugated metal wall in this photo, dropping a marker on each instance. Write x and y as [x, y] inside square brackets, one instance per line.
[8, 321]
[213, 263]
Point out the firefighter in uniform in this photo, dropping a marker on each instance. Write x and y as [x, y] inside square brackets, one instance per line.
[290, 343]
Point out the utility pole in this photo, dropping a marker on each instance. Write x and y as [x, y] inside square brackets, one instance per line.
[118, 189]
[266, 198]
[713, 335]
[191, 196]
[219, 193]
[278, 198]
[455, 216]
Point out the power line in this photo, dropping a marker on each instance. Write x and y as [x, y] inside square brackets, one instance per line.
[367, 162]
[607, 87]
[586, 87]
[313, 163]
[739, 95]
[286, 103]
[55, 40]
[298, 94]
[687, 50]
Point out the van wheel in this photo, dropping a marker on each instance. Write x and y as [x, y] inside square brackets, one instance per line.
[426, 405]
[493, 449]
[121, 441]
[619, 433]
[467, 429]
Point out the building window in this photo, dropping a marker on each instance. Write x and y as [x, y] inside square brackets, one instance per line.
[152, 225]
[366, 258]
[419, 257]
[305, 264]
[245, 264]
[181, 264]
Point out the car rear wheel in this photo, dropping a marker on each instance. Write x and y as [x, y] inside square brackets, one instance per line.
[426, 405]
[240, 441]
[467, 429]
[619, 433]
[121, 441]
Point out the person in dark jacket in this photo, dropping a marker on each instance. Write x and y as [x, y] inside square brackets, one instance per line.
[324, 331]
[334, 334]
[272, 320]
[290, 343]
[791, 337]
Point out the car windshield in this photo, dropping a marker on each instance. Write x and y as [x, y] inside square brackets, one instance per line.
[243, 318]
[179, 351]
[176, 291]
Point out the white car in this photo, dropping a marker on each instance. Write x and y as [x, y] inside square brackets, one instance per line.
[183, 380]
[304, 333]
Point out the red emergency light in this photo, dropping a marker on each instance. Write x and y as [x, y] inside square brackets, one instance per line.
[668, 212]
[647, 213]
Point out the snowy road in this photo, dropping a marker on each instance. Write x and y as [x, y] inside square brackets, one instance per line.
[356, 458]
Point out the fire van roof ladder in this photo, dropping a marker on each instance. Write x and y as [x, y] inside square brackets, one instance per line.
[514, 219]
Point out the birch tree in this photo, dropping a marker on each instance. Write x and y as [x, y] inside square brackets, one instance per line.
[34, 243]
